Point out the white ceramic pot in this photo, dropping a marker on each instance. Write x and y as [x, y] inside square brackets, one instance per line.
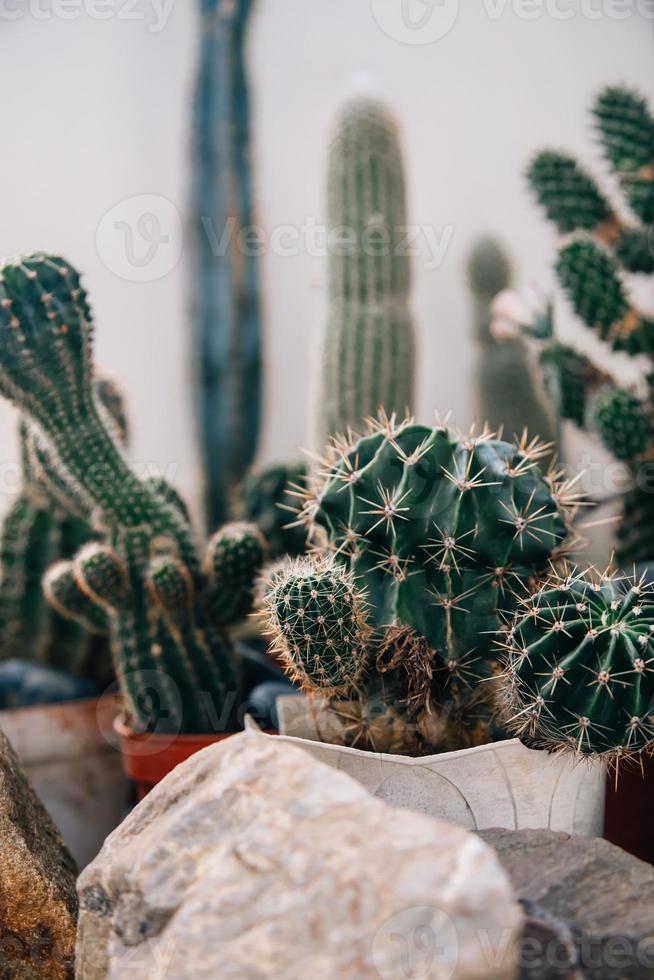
[76, 773]
[503, 784]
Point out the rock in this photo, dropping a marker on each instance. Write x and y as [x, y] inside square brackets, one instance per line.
[583, 890]
[253, 860]
[38, 903]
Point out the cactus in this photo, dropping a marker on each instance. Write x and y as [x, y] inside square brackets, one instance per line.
[507, 397]
[601, 246]
[580, 671]
[425, 539]
[173, 655]
[269, 500]
[226, 314]
[368, 347]
[39, 530]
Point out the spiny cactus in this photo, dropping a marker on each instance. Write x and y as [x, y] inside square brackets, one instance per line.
[507, 395]
[227, 327]
[580, 670]
[591, 266]
[425, 539]
[40, 529]
[174, 661]
[368, 349]
[269, 500]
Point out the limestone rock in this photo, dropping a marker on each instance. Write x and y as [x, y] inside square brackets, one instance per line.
[38, 903]
[253, 860]
[598, 894]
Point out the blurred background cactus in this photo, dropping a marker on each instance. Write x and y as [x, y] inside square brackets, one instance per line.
[423, 540]
[227, 342]
[44, 526]
[605, 253]
[508, 395]
[168, 614]
[580, 671]
[368, 346]
[269, 499]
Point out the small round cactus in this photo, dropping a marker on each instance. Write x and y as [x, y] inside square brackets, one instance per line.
[580, 667]
[318, 618]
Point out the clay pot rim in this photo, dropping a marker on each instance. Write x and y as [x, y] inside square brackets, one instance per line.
[125, 731]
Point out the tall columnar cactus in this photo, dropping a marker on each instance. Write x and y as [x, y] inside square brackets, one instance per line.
[601, 249]
[226, 289]
[580, 670]
[507, 395]
[426, 539]
[165, 611]
[368, 348]
[41, 528]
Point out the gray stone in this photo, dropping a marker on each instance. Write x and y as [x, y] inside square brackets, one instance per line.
[585, 890]
[38, 903]
[253, 860]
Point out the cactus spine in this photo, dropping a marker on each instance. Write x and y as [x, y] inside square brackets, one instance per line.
[368, 349]
[425, 539]
[174, 661]
[226, 315]
[580, 669]
[601, 248]
[507, 398]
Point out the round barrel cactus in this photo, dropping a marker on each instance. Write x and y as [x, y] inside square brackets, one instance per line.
[580, 668]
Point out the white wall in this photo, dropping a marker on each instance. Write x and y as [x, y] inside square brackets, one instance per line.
[98, 111]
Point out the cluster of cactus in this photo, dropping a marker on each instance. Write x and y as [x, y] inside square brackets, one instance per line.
[580, 670]
[269, 500]
[423, 540]
[368, 347]
[600, 248]
[167, 613]
[42, 527]
[226, 289]
[507, 397]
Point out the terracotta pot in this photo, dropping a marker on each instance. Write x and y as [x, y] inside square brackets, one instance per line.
[629, 808]
[147, 759]
[66, 752]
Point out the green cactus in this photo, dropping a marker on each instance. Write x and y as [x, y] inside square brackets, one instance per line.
[426, 538]
[507, 396]
[621, 422]
[368, 350]
[269, 500]
[174, 662]
[226, 303]
[579, 669]
[590, 268]
[40, 529]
